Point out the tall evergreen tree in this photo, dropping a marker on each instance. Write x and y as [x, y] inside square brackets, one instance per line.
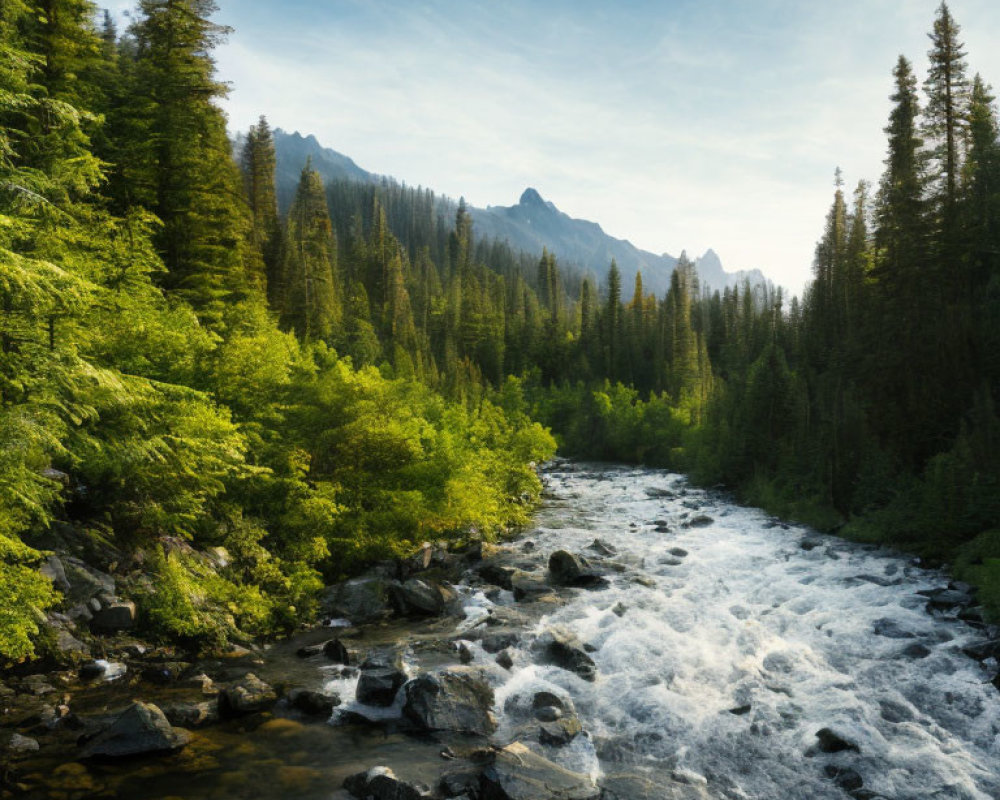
[258, 161]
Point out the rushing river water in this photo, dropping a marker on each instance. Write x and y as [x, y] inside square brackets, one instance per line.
[723, 644]
[741, 614]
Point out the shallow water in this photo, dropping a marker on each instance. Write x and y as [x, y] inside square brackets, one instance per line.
[733, 615]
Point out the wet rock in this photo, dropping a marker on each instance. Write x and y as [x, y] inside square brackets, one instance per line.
[519, 774]
[505, 659]
[141, 729]
[16, 745]
[981, 651]
[739, 711]
[464, 653]
[810, 543]
[947, 599]
[548, 714]
[83, 582]
[247, 696]
[480, 551]
[528, 587]
[644, 580]
[669, 561]
[563, 649]
[679, 552]
[495, 642]
[381, 783]
[68, 647]
[829, 741]
[164, 672]
[116, 616]
[891, 629]
[699, 521]
[663, 528]
[313, 703]
[658, 493]
[337, 652]
[603, 548]
[846, 778]
[568, 569]
[559, 732]
[619, 609]
[37, 685]
[418, 597]
[498, 575]
[455, 699]
[916, 650]
[360, 600]
[460, 783]
[504, 616]
[637, 786]
[192, 715]
[378, 684]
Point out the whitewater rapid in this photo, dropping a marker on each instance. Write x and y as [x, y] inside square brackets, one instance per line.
[741, 638]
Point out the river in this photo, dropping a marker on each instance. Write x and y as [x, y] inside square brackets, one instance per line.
[724, 643]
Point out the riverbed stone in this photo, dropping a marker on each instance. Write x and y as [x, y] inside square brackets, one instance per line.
[378, 685]
[312, 702]
[497, 574]
[569, 569]
[602, 548]
[361, 600]
[528, 586]
[517, 773]
[140, 729]
[563, 649]
[118, 615]
[419, 597]
[699, 521]
[247, 696]
[192, 715]
[381, 783]
[456, 699]
[829, 741]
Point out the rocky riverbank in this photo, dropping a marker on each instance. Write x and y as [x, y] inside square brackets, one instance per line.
[408, 689]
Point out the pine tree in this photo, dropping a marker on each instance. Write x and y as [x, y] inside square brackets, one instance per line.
[310, 306]
[258, 161]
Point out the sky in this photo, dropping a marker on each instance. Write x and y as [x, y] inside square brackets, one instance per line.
[674, 124]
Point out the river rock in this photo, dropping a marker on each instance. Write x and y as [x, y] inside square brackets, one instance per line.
[455, 699]
[981, 651]
[497, 574]
[637, 786]
[418, 597]
[829, 741]
[381, 783]
[16, 745]
[360, 600]
[118, 615]
[140, 729]
[247, 696]
[848, 779]
[947, 599]
[312, 702]
[505, 659]
[495, 642]
[603, 548]
[519, 774]
[379, 683]
[565, 650]
[192, 715]
[699, 521]
[568, 569]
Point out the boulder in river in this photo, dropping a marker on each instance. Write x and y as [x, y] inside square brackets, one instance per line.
[360, 600]
[519, 774]
[118, 615]
[192, 715]
[248, 695]
[568, 569]
[602, 548]
[456, 699]
[381, 783]
[419, 597]
[313, 703]
[527, 586]
[381, 677]
[699, 521]
[497, 574]
[140, 729]
[829, 741]
[565, 650]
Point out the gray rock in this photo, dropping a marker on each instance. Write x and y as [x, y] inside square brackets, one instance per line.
[337, 652]
[455, 699]
[568, 569]
[117, 616]
[378, 685]
[559, 732]
[832, 742]
[983, 650]
[360, 600]
[464, 653]
[497, 574]
[418, 597]
[381, 783]
[846, 778]
[946, 599]
[495, 642]
[563, 649]
[891, 629]
[247, 696]
[18, 745]
[313, 703]
[192, 715]
[505, 659]
[548, 714]
[84, 582]
[636, 786]
[519, 774]
[602, 548]
[699, 521]
[527, 586]
[140, 729]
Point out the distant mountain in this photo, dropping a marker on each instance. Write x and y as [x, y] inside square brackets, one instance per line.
[532, 225]
[292, 150]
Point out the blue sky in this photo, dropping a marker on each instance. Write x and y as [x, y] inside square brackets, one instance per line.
[674, 124]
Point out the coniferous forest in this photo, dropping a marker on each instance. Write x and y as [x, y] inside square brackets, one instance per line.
[185, 371]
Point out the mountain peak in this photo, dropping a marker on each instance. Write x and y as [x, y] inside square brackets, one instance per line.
[530, 197]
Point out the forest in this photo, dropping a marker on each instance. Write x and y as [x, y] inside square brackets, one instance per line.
[185, 369]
